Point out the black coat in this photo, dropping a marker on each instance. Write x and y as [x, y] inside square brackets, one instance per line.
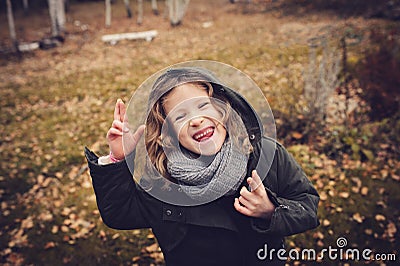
[214, 233]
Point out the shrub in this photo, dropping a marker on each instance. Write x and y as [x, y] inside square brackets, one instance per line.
[378, 74]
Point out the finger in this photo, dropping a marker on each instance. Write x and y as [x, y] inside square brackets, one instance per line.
[122, 111]
[117, 110]
[118, 125]
[245, 193]
[255, 181]
[133, 139]
[240, 208]
[138, 134]
[113, 132]
[244, 202]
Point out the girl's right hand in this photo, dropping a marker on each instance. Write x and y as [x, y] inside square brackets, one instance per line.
[118, 127]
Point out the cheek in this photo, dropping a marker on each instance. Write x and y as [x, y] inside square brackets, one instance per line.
[181, 132]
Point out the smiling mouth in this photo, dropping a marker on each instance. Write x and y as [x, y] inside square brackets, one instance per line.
[204, 134]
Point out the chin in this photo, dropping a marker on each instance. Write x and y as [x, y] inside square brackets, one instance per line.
[209, 147]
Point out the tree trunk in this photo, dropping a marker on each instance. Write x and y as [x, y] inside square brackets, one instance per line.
[140, 12]
[128, 8]
[53, 16]
[154, 7]
[11, 26]
[57, 16]
[26, 6]
[60, 13]
[108, 13]
[177, 9]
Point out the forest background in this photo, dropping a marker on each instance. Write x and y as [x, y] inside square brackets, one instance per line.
[329, 69]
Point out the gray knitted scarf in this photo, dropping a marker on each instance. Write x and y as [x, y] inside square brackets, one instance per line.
[208, 178]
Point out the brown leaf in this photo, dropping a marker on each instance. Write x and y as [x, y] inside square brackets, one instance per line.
[344, 195]
[326, 222]
[364, 191]
[358, 218]
[368, 231]
[323, 196]
[395, 177]
[380, 217]
[54, 229]
[152, 248]
[49, 245]
[391, 229]
[297, 135]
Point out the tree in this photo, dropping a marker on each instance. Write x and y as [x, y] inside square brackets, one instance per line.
[11, 26]
[57, 16]
[177, 9]
[26, 5]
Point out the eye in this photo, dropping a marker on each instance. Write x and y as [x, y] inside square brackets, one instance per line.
[203, 105]
[179, 117]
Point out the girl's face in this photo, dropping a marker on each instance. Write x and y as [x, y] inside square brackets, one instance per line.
[195, 119]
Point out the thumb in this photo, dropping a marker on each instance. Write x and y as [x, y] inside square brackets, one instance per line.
[132, 139]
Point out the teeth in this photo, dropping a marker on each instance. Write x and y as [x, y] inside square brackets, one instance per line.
[198, 136]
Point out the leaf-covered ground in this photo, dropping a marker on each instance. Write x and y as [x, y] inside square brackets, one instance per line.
[55, 102]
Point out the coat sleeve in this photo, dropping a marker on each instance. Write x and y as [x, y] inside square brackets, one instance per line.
[117, 195]
[294, 197]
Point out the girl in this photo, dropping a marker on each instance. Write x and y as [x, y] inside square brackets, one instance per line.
[204, 139]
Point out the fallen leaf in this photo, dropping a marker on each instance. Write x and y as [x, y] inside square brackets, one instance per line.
[380, 217]
[364, 191]
[297, 135]
[391, 229]
[358, 218]
[49, 245]
[326, 222]
[368, 231]
[151, 248]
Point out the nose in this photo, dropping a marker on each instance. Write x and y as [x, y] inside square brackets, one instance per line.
[196, 121]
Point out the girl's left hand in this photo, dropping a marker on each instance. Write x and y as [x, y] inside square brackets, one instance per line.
[254, 203]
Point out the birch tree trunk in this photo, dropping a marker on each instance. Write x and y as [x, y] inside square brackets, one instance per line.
[60, 14]
[57, 16]
[140, 12]
[177, 9]
[11, 26]
[128, 8]
[154, 7]
[108, 13]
